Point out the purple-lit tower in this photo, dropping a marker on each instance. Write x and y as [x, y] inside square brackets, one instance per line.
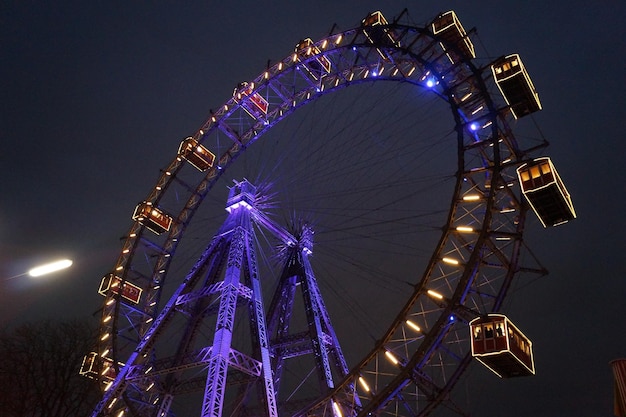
[213, 334]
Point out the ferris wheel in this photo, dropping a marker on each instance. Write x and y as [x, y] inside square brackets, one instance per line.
[449, 266]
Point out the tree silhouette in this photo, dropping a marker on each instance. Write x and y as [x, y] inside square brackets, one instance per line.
[39, 370]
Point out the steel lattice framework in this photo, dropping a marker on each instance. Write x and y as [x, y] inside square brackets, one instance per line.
[416, 363]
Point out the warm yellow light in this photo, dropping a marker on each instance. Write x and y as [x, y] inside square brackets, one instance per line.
[450, 261]
[435, 294]
[477, 110]
[324, 44]
[105, 336]
[338, 40]
[471, 197]
[50, 268]
[390, 356]
[465, 229]
[413, 326]
[106, 319]
[120, 414]
[364, 384]
[106, 352]
[337, 409]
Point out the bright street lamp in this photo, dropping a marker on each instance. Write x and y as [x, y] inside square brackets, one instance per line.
[50, 268]
[44, 269]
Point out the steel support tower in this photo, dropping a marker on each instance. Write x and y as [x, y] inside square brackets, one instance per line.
[223, 292]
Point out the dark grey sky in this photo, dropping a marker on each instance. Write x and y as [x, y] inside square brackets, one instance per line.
[95, 98]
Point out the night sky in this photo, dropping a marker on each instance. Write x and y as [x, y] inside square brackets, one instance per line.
[95, 98]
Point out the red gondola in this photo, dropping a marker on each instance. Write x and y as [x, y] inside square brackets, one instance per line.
[152, 217]
[196, 154]
[501, 346]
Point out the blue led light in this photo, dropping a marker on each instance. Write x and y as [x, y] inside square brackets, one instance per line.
[451, 318]
[430, 83]
[474, 126]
